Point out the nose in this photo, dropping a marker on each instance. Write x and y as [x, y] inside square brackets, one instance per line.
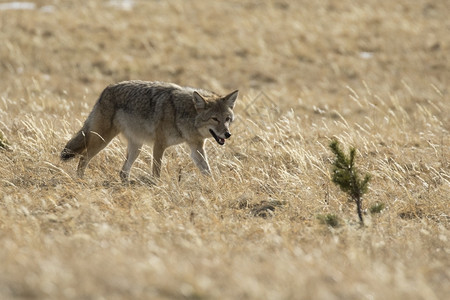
[227, 135]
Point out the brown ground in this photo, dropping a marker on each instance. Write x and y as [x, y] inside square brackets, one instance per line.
[374, 74]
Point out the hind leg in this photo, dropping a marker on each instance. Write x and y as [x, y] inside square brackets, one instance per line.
[132, 153]
[158, 152]
[95, 143]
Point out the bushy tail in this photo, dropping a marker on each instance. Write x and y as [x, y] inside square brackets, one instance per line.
[75, 145]
[98, 121]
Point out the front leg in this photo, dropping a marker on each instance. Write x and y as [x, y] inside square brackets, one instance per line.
[198, 155]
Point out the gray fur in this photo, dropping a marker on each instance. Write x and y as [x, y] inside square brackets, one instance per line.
[164, 114]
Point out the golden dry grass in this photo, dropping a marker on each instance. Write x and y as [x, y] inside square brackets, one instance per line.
[374, 74]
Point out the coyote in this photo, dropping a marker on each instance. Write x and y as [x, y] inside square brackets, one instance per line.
[163, 113]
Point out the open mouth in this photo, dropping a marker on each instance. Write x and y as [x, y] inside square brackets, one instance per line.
[219, 140]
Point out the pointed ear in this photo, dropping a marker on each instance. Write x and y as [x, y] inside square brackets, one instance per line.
[199, 102]
[230, 99]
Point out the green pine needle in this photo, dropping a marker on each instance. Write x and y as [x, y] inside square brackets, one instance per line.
[347, 177]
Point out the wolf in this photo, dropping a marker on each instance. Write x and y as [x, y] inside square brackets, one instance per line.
[161, 113]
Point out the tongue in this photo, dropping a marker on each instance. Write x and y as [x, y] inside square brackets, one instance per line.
[222, 140]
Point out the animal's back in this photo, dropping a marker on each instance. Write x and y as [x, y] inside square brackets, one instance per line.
[145, 98]
[140, 98]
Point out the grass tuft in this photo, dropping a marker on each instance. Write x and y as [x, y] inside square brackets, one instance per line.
[331, 220]
[377, 208]
[4, 144]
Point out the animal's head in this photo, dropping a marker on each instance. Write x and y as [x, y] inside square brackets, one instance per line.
[215, 116]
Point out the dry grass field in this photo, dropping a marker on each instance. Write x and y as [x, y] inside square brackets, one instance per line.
[373, 74]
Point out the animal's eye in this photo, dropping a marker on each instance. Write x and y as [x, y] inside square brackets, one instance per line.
[215, 119]
[228, 119]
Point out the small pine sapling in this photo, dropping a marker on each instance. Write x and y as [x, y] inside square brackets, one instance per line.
[347, 177]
